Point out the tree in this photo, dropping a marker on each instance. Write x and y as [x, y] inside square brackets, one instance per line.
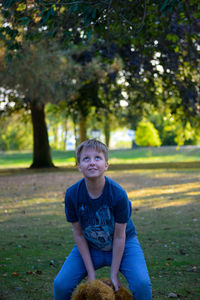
[160, 63]
[155, 39]
[44, 77]
[147, 135]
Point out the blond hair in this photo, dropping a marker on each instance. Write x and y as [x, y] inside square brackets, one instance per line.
[94, 144]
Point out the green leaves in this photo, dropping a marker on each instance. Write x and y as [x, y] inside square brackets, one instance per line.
[9, 3]
[169, 5]
[172, 37]
[46, 14]
[25, 21]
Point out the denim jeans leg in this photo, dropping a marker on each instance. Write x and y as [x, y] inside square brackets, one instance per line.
[71, 273]
[133, 267]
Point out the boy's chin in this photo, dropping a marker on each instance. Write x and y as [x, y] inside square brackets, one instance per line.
[94, 175]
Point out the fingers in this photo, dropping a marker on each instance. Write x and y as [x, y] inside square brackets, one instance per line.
[116, 284]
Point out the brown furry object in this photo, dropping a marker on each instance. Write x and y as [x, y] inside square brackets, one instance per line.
[100, 289]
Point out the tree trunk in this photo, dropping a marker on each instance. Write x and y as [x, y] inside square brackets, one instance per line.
[107, 129]
[55, 133]
[82, 127]
[41, 148]
[64, 136]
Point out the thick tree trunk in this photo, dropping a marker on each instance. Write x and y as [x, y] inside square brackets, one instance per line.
[82, 127]
[41, 148]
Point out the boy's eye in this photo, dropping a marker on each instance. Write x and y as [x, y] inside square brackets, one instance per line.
[98, 157]
[86, 158]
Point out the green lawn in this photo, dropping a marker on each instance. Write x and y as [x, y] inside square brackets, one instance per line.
[139, 155]
[35, 238]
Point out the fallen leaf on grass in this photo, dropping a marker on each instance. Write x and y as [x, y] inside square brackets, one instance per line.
[24, 280]
[172, 295]
[191, 269]
[15, 274]
[38, 272]
[29, 272]
[182, 252]
[18, 288]
[52, 263]
[22, 235]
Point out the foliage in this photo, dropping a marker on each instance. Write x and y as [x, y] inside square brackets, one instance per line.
[147, 135]
[173, 128]
[160, 63]
[157, 43]
[15, 132]
[45, 73]
[74, 20]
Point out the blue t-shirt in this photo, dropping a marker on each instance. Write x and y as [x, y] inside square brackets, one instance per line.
[97, 217]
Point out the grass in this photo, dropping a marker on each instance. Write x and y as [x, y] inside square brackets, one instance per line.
[16, 159]
[35, 238]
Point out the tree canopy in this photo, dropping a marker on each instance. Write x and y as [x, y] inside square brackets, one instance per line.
[156, 44]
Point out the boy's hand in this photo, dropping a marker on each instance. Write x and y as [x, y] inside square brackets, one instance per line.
[116, 282]
[91, 276]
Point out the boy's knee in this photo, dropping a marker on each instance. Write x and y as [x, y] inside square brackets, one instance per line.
[58, 286]
[144, 283]
[142, 289]
[62, 289]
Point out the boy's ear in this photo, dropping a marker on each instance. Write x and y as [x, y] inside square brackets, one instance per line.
[79, 168]
[106, 166]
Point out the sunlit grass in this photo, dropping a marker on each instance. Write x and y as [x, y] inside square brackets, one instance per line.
[23, 159]
[167, 158]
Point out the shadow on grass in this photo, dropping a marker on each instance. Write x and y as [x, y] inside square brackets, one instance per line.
[112, 167]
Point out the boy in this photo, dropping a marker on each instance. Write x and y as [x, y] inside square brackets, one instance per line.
[104, 234]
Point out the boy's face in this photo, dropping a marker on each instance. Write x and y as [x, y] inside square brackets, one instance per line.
[92, 163]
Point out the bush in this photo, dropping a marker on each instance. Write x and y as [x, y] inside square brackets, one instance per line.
[147, 135]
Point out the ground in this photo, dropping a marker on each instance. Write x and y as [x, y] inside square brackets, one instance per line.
[35, 238]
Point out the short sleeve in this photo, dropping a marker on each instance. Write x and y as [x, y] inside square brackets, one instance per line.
[70, 210]
[122, 209]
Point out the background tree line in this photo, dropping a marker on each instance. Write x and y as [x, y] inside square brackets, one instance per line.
[85, 57]
[154, 130]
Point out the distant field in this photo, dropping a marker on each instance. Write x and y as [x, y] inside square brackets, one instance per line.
[16, 159]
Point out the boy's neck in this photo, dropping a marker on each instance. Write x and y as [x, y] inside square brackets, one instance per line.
[95, 186]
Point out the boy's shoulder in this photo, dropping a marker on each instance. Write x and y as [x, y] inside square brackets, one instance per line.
[74, 187]
[115, 186]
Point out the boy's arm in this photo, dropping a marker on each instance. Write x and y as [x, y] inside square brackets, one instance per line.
[117, 252]
[84, 250]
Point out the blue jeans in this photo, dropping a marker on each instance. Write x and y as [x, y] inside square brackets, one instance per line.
[133, 267]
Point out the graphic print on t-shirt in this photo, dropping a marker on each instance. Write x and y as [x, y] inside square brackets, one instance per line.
[98, 228]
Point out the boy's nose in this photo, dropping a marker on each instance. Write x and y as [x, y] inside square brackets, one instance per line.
[92, 162]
